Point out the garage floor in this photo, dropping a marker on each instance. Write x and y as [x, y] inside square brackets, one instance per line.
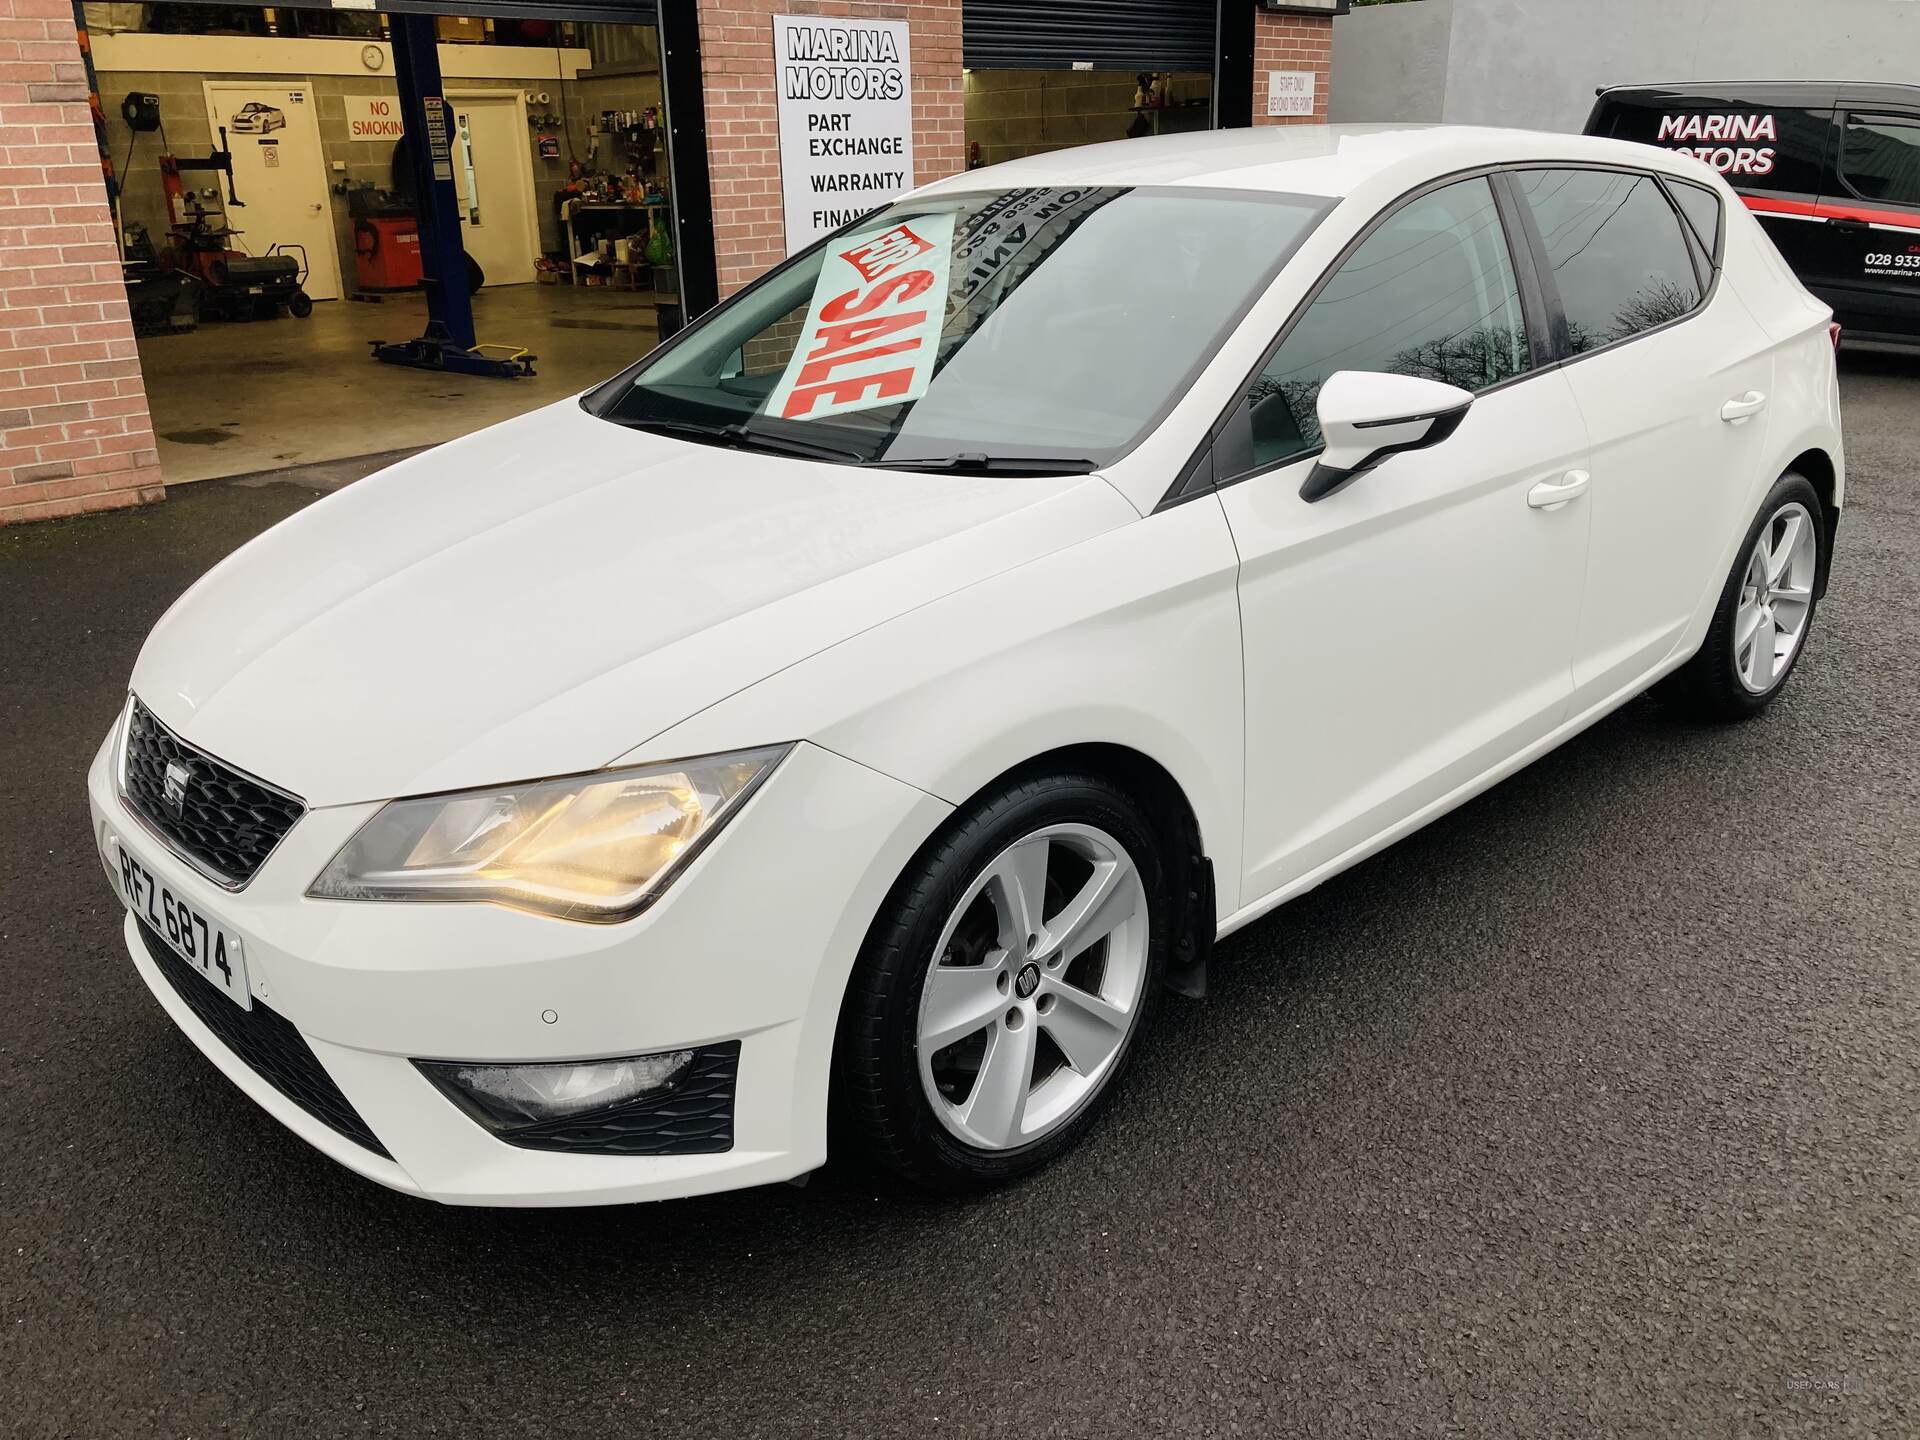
[231, 399]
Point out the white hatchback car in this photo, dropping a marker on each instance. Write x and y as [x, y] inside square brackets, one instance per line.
[870, 701]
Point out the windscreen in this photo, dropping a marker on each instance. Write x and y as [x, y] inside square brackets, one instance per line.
[1028, 326]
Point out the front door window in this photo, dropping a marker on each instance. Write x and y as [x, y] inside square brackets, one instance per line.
[1430, 293]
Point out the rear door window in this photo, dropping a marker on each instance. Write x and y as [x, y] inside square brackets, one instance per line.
[1880, 157]
[1615, 251]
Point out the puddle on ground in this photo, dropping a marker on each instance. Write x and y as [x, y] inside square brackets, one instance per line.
[196, 437]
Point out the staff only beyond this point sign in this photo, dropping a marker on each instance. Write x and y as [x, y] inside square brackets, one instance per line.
[846, 119]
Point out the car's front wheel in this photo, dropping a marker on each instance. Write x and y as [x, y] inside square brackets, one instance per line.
[1760, 626]
[1000, 992]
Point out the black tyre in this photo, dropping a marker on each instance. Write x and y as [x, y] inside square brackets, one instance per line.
[300, 305]
[978, 1041]
[1765, 614]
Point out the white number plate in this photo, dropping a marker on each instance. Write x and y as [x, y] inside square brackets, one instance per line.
[194, 936]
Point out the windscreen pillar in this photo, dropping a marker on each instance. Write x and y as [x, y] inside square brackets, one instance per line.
[423, 108]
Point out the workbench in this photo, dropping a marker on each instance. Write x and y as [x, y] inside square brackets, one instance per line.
[596, 217]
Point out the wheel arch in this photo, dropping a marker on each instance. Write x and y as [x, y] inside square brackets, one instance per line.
[863, 1037]
[1824, 475]
[1168, 805]
[1135, 771]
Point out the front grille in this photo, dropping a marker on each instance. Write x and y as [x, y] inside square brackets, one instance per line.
[226, 823]
[268, 1042]
[695, 1117]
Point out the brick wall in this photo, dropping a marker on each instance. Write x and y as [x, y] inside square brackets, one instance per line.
[74, 429]
[1291, 42]
[743, 146]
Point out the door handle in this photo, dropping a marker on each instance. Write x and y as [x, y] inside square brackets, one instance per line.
[1743, 407]
[1550, 494]
[1841, 222]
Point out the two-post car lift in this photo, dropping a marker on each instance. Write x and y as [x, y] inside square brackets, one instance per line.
[448, 341]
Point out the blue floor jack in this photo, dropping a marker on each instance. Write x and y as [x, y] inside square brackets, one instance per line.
[448, 343]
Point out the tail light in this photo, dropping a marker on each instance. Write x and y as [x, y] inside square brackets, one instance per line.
[1833, 334]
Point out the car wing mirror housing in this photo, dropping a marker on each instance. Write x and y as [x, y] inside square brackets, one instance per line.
[1367, 417]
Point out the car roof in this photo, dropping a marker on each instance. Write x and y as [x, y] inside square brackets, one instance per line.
[1321, 160]
[1799, 89]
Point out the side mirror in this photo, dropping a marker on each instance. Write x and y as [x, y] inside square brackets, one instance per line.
[1367, 417]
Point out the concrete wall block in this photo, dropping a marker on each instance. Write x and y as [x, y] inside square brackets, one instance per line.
[1535, 64]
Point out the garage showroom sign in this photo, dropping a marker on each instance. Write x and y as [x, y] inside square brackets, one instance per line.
[846, 119]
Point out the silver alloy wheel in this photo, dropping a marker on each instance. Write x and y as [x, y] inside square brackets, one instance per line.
[1776, 597]
[1074, 976]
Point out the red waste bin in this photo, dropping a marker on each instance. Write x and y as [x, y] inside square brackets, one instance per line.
[386, 251]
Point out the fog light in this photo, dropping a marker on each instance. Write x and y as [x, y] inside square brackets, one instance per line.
[506, 1098]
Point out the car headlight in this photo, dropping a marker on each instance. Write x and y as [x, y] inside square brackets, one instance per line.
[591, 847]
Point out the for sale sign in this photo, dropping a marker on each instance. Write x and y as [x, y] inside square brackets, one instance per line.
[846, 119]
[874, 325]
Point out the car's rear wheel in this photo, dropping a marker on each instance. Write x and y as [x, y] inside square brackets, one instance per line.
[1001, 990]
[1765, 614]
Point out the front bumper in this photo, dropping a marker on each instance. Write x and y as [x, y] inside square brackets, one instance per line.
[752, 943]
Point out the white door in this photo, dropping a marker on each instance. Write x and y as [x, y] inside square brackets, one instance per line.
[493, 177]
[1413, 631]
[279, 174]
[1674, 395]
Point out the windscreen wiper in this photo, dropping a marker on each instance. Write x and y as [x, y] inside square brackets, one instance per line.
[976, 463]
[738, 437]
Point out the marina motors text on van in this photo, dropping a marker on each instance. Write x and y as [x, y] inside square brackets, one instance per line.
[1730, 142]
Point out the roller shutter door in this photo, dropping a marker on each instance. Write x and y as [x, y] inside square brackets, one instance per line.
[1108, 34]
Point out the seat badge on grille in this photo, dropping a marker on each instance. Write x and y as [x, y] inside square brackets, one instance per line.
[174, 788]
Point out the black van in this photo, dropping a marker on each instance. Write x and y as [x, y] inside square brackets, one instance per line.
[1832, 168]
